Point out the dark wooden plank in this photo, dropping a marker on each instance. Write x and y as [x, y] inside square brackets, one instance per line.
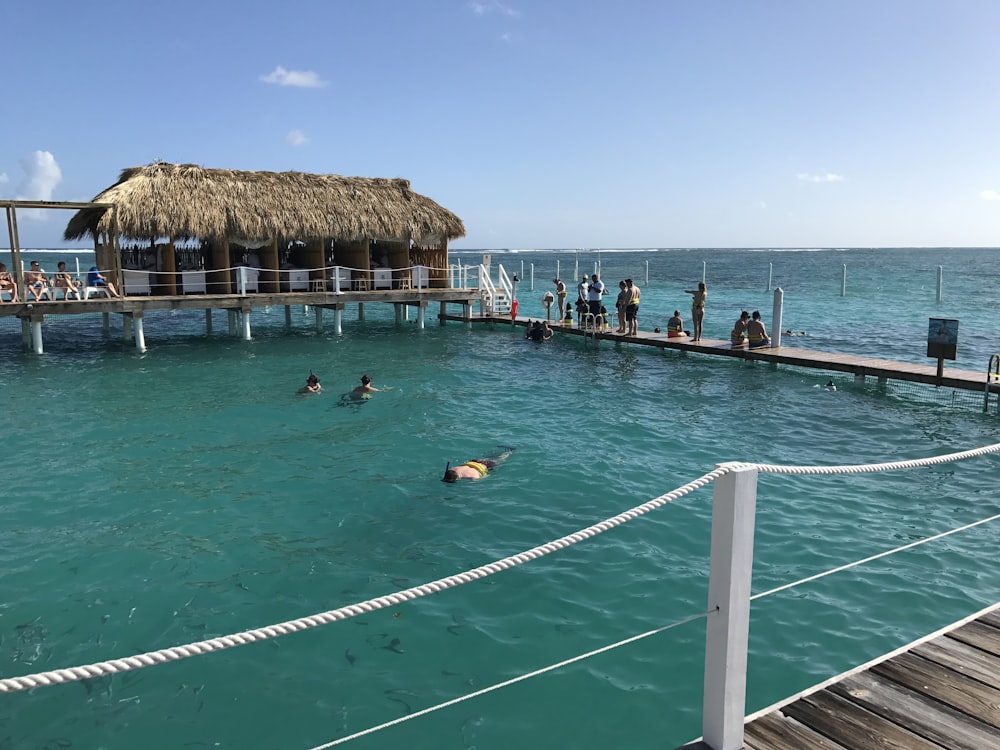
[992, 618]
[946, 685]
[982, 636]
[917, 712]
[774, 731]
[962, 658]
[852, 726]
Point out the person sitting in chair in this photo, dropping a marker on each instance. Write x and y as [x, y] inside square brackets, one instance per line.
[97, 279]
[35, 281]
[7, 283]
[65, 282]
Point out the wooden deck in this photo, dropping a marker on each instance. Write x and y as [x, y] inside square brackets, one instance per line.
[942, 692]
[883, 369]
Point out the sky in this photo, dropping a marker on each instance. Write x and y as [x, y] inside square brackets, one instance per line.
[541, 123]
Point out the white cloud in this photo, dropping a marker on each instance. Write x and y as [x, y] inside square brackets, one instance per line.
[825, 177]
[762, 204]
[306, 79]
[42, 174]
[297, 138]
[485, 7]
[990, 195]
[4, 179]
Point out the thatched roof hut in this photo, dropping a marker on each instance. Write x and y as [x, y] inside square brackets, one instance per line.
[188, 201]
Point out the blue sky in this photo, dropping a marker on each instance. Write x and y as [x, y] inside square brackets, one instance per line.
[551, 123]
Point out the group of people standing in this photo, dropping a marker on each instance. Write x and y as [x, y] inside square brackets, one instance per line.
[590, 293]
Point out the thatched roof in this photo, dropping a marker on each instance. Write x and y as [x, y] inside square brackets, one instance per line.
[188, 201]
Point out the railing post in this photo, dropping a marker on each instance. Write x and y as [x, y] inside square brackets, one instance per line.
[776, 313]
[734, 506]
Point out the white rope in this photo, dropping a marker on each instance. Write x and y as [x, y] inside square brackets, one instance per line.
[58, 676]
[512, 681]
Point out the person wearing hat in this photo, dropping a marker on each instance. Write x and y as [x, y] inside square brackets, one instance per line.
[560, 295]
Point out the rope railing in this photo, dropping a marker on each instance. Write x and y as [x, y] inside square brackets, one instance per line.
[176, 653]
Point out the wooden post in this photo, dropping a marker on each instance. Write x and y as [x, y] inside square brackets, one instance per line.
[269, 280]
[727, 628]
[168, 279]
[219, 279]
[316, 260]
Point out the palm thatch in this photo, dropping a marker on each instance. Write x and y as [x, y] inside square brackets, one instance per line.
[188, 201]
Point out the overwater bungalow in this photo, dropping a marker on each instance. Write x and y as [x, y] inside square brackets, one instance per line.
[168, 229]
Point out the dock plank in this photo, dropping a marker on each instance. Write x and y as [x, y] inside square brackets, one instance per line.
[776, 731]
[918, 712]
[962, 658]
[950, 687]
[977, 634]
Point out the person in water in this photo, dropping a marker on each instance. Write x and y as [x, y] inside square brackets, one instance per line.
[312, 384]
[365, 388]
[477, 468]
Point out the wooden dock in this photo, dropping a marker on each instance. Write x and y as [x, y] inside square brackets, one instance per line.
[860, 367]
[940, 693]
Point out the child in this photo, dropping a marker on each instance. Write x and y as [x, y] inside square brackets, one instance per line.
[568, 319]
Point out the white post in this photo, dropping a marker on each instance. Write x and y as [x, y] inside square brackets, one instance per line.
[647, 273]
[576, 268]
[338, 319]
[522, 269]
[532, 268]
[727, 628]
[704, 268]
[843, 283]
[243, 281]
[776, 324]
[421, 308]
[770, 274]
[140, 336]
[557, 269]
[940, 282]
[36, 336]
[246, 325]
[596, 269]
[336, 280]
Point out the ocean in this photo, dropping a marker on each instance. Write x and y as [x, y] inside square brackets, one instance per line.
[155, 499]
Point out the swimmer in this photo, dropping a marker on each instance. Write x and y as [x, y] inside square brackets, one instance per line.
[365, 387]
[830, 386]
[790, 332]
[477, 468]
[312, 384]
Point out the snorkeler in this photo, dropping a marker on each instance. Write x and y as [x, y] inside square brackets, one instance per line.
[360, 393]
[312, 384]
[477, 468]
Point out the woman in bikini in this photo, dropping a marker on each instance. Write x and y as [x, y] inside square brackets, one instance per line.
[698, 308]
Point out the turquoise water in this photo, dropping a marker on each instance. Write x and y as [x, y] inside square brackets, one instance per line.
[158, 499]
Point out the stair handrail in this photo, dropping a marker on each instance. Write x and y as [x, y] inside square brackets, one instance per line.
[487, 290]
[992, 377]
[507, 285]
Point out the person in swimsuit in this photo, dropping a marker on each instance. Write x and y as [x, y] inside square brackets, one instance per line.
[561, 296]
[7, 283]
[65, 282]
[632, 307]
[698, 308]
[756, 333]
[738, 335]
[477, 468]
[675, 326]
[620, 304]
[36, 282]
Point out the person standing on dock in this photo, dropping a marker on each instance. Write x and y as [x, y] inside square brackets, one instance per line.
[581, 290]
[594, 294]
[632, 307]
[560, 296]
[698, 308]
[756, 333]
[620, 305]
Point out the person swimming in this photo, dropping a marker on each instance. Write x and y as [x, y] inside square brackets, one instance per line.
[477, 468]
[830, 386]
[312, 384]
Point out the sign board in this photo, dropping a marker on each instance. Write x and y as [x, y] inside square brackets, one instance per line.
[942, 338]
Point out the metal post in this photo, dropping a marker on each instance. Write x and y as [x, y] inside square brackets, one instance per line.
[704, 268]
[246, 324]
[532, 267]
[420, 314]
[727, 628]
[338, 319]
[843, 283]
[647, 273]
[243, 281]
[336, 280]
[940, 282]
[770, 275]
[318, 311]
[36, 336]
[398, 309]
[140, 336]
[557, 269]
[776, 324]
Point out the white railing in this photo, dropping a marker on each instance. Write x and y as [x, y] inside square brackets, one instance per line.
[727, 613]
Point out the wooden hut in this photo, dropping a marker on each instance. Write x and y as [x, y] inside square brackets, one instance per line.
[329, 219]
